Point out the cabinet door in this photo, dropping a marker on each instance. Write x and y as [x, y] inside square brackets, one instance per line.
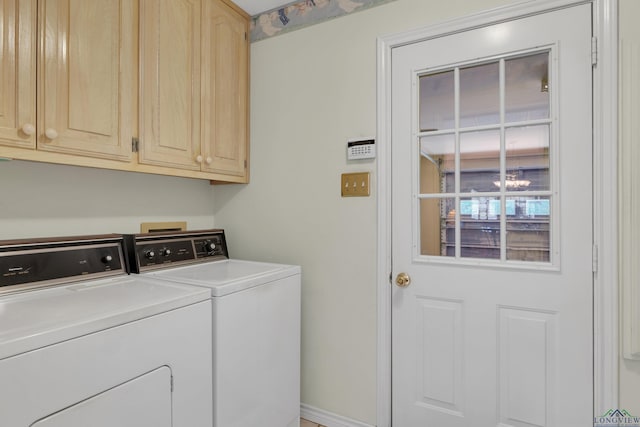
[225, 95]
[18, 73]
[170, 85]
[86, 74]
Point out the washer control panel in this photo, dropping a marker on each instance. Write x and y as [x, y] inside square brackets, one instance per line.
[210, 246]
[161, 250]
[152, 253]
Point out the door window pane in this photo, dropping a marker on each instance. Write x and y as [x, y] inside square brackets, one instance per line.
[437, 227]
[479, 160]
[480, 227]
[527, 88]
[437, 164]
[437, 101]
[480, 95]
[527, 156]
[528, 236]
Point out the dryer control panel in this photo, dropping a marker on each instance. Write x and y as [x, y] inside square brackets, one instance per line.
[34, 263]
[169, 249]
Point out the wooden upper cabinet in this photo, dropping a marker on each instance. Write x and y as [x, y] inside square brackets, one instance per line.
[170, 85]
[224, 89]
[79, 79]
[86, 74]
[193, 105]
[18, 71]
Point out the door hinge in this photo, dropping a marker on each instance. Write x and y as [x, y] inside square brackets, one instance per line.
[135, 145]
[594, 51]
[594, 258]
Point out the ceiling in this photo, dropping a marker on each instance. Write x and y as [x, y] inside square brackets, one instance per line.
[254, 7]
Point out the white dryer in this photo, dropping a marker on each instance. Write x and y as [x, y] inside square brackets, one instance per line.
[84, 344]
[255, 329]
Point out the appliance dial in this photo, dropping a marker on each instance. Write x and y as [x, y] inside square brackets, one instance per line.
[165, 251]
[209, 246]
[107, 259]
[149, 254]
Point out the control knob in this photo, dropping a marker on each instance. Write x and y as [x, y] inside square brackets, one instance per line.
[107, 259]
[209, 246]
[165, 252]
[150, 254]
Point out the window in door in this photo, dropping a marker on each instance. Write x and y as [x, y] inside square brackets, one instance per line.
[485, 150]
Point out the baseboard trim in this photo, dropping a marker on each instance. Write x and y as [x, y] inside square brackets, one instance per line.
[328, 419]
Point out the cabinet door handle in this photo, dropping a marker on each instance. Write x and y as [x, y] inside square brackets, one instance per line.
[199, 159]
[51, 133]
[209, 160]
[28, 129]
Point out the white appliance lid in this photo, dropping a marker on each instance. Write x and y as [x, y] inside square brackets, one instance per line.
[34, 319]
[227, 276]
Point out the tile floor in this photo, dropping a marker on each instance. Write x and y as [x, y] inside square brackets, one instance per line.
[305, 423]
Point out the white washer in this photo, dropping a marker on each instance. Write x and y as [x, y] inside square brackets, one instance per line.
[256, 324]
[122, 350]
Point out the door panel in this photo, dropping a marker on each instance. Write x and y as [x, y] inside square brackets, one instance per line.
[86, 71]
[170, 59]
[18, 73]
[224, 88]
[492, 220]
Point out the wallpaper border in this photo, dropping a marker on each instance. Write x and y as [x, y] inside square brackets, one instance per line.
[300, 14]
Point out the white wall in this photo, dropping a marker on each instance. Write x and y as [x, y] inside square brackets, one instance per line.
[630, 37]
[39, 200]
[311, 90]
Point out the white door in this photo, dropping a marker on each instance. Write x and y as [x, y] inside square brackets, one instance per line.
[492, 225]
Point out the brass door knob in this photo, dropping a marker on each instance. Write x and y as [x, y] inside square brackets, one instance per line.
[403, 280]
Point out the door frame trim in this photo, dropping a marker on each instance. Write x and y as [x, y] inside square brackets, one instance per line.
[605, 202]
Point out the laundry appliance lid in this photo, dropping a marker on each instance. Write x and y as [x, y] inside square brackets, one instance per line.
[228, 276]
[35, 319]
